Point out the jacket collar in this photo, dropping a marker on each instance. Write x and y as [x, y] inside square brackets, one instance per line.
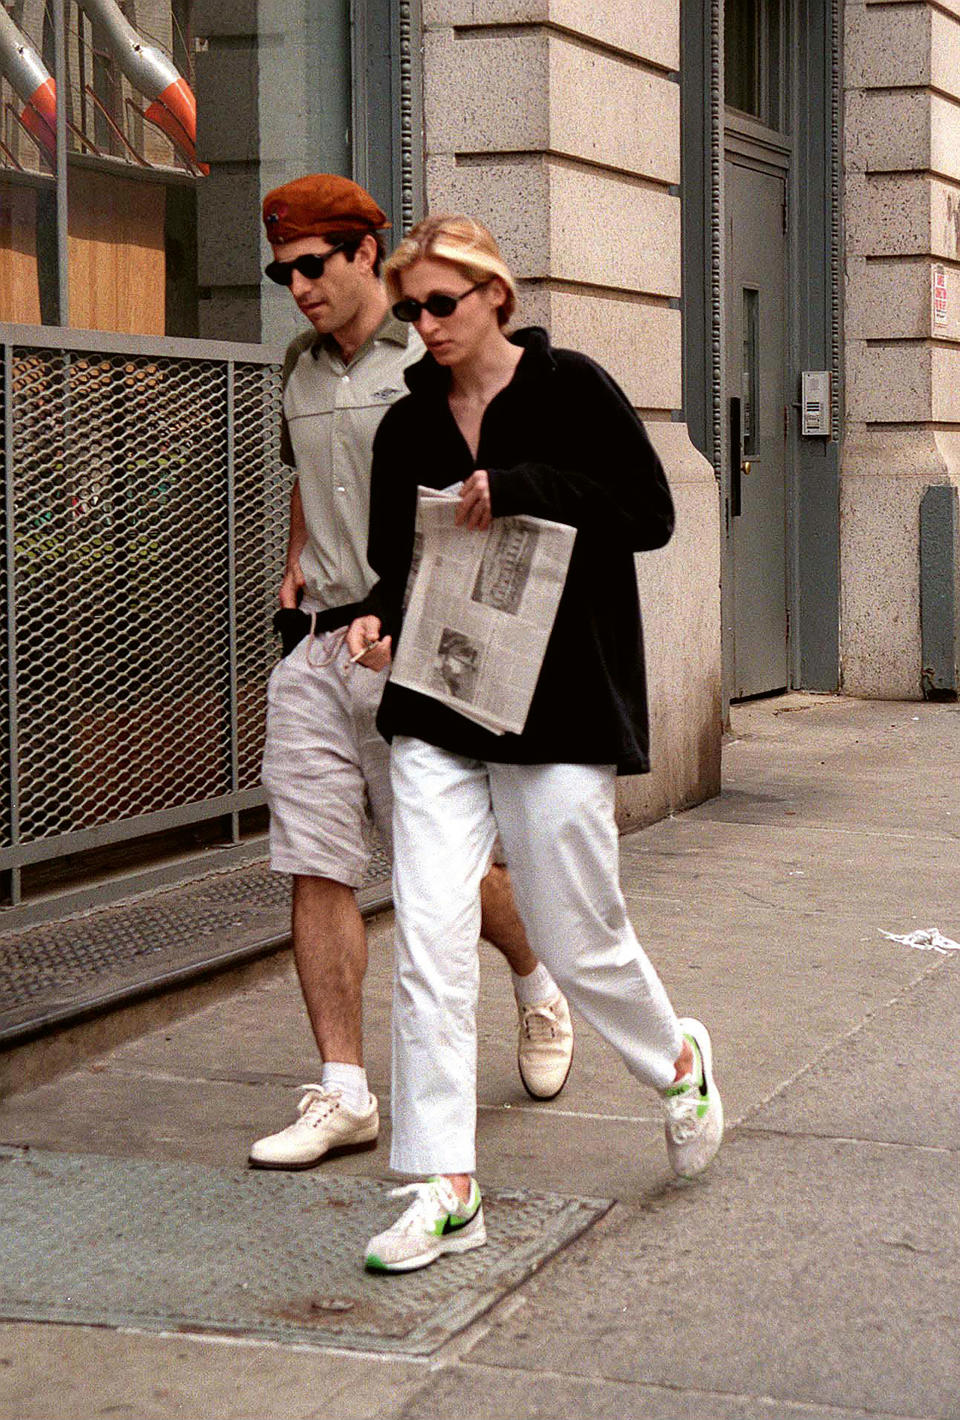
[426, 377]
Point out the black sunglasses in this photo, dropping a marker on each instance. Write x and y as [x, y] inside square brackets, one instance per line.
[438, 304]
[309, 265]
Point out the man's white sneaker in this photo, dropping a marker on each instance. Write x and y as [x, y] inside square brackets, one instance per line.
[436, 1222]
[545, 1047]
[325, 1126]
[693, 1108]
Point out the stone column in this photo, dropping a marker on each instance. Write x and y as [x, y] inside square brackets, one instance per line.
[902, 427]
[557, 122]
[228, 198]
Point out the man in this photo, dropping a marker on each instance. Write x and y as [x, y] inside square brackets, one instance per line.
[325, 767]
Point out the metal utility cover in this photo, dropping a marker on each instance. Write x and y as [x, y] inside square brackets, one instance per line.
[176, 1247]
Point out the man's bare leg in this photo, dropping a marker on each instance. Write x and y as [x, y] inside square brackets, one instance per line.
[500, 923]
[545, 1041]
[330, 950]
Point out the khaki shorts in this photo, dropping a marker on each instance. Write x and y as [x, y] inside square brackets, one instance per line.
[325, 766]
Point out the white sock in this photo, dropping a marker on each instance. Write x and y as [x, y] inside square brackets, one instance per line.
[350, 1080]
[536, 988]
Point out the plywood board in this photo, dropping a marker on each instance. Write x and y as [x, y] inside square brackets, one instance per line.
[19, 286]
[116, 253]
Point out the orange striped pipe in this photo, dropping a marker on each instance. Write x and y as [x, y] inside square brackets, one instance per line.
[40, 116]
[24, 69]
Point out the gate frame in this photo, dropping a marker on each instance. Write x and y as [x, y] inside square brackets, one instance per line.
[228, 806]
[813, 87]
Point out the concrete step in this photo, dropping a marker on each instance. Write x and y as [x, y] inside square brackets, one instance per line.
[74, 987]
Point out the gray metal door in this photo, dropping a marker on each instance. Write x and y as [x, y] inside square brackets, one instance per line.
[755, 601]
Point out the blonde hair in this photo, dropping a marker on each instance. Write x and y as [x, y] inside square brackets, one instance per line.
[462, 241]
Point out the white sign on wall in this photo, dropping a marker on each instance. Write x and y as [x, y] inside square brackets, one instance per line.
[939, 296]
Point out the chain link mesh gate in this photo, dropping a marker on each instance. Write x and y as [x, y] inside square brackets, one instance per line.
[144, 527]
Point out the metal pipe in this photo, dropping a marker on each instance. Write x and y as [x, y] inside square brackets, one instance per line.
[19, 60]
[9, 553]
[186, 153]
[21, 64]
[151, 72]
[60, 72]
[147, 67]
[50, 158]
[234, 713]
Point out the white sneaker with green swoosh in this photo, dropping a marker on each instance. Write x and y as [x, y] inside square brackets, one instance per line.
[693, 1108]
[436, 1222]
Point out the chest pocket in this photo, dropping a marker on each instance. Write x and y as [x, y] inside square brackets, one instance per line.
[302, 399]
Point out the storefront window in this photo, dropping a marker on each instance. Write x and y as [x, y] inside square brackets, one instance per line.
[180, 115]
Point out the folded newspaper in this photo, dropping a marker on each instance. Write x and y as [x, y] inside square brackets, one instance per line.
[480, 607]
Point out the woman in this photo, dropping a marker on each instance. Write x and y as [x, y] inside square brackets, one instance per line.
[526, 429]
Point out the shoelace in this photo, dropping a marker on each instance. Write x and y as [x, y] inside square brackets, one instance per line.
[539, 1022]
[432, 1200]
[318, 1101]
[683, 1119]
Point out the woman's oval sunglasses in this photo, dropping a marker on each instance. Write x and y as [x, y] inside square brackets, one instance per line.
[438, 303]
[309, 265]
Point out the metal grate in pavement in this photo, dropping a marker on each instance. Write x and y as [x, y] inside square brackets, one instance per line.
[58, 968]
[177, 1247]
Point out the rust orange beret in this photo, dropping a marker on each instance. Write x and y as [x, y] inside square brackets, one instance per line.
[320, 205]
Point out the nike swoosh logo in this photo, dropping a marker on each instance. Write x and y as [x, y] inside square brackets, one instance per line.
[453, 1225]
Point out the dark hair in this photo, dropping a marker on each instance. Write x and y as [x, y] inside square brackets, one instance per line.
[352, 240]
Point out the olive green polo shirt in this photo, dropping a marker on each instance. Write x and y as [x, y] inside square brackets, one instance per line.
[331, 412]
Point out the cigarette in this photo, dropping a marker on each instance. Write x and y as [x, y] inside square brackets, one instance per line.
[370, 646]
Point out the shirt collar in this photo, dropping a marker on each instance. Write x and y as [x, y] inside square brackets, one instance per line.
[396, 331]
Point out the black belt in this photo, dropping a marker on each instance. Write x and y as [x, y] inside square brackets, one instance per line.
[291, 624]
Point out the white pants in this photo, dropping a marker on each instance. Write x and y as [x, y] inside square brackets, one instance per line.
[559, 834]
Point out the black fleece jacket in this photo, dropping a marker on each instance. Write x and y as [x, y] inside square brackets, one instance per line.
[561, 441]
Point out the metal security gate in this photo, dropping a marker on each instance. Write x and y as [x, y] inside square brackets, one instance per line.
[144, 526]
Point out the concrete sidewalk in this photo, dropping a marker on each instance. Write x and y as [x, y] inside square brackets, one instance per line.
[815, 1271]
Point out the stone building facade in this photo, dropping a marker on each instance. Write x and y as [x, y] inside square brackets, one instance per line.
[558, 124]
[606, 144]
[901, 206]
[747, 210]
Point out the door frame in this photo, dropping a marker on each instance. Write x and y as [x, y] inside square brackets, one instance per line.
[770, 155]
[814, 336]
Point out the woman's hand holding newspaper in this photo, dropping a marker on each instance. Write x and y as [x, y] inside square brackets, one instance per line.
[473, 510]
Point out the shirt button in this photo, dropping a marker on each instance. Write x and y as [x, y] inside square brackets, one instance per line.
[345, 379]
